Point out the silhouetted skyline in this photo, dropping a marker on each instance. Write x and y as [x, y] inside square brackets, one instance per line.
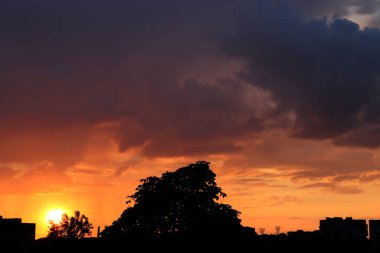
[186, 204]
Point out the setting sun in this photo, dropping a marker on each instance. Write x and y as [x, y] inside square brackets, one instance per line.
[54, 215]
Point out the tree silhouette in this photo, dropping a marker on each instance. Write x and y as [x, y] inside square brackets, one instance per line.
[183, 202]
[74, 227]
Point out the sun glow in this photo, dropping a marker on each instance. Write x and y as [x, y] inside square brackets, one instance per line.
[54, 216]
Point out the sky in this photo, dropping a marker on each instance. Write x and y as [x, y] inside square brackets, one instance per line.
[281, 96]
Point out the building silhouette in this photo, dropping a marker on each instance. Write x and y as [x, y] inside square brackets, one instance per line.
[15, 230]
[300, 234]
[374, 230]
[339, 228]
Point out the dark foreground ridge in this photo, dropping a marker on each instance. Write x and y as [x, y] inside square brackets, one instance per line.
[181, 244]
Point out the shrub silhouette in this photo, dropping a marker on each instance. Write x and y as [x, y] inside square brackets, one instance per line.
[74, 227]
[182, 203]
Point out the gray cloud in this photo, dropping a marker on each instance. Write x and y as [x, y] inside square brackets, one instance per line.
[322, 8]
[68, 66]
[327, 72]
[366, 6]
[366, 136]
[301, 160]
[375, 20]
[334, 187]
[139, 68]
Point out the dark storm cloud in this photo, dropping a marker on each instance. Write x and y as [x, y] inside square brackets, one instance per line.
[327, 72]
[375, 21]
[191, 119]
[68, 66]
[323, 8]
[366, 6]
[367, 136]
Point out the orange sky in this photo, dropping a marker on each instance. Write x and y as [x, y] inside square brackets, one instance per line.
[282, 98]
[272, 192]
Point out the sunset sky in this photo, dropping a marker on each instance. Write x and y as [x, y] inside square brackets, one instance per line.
[282, 97]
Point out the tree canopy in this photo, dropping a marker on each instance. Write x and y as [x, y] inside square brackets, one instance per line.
[74, 227]
[184, 202]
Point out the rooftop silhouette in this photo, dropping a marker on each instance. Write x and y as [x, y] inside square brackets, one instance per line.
[15, 230]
